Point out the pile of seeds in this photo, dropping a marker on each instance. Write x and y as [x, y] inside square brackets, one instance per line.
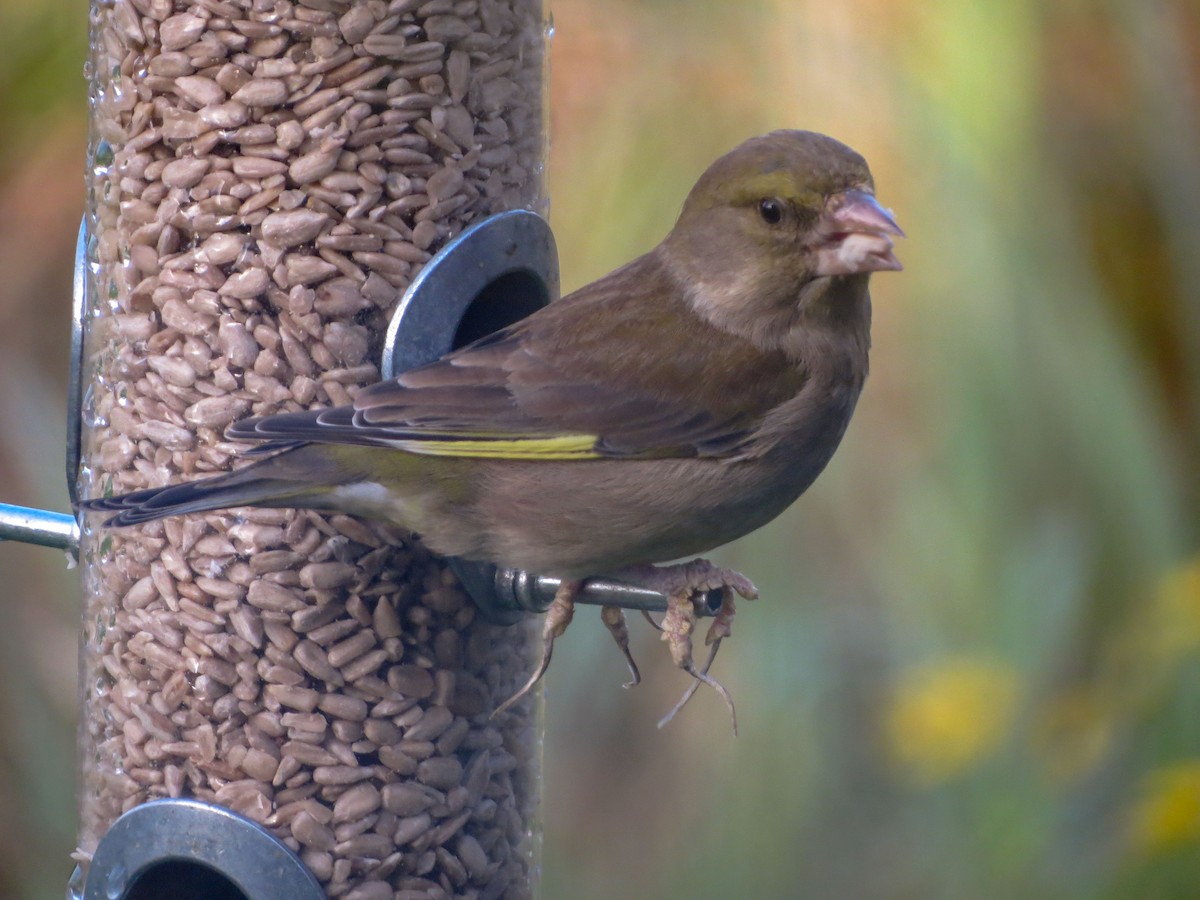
[267, 176]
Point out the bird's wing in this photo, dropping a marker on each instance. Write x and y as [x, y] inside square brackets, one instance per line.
[587, 377]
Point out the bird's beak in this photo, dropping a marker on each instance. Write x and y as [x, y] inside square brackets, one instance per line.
[856, 235]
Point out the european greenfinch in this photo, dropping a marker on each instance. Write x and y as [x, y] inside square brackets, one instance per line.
[676, 404]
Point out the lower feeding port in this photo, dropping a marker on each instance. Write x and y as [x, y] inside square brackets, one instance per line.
[189, 850]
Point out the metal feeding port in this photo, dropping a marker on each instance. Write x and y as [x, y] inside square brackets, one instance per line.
[191, 850]
[495, 273]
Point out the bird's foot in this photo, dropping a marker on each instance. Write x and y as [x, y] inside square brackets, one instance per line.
[696, 577]
[677, 627]
[685, 586]
[614, 620]
[720, 629]
[558, 617]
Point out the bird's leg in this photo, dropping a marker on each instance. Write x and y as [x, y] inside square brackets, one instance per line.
[614, 620]
[683, 584]
[558, 617]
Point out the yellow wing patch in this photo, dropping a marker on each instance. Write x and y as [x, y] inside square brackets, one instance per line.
[564, 446]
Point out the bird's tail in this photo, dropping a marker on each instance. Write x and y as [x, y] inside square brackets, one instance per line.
[265, 483]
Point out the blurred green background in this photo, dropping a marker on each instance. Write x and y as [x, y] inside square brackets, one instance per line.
[975, 667]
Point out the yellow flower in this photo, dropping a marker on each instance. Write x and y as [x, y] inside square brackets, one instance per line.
[1167, 814]
[946, 716]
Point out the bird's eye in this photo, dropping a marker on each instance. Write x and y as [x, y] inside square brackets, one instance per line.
[771, 211]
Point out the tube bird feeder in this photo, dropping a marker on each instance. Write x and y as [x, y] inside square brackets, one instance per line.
[266, 179]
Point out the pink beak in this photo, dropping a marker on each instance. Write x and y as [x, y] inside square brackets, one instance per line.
[856, 235]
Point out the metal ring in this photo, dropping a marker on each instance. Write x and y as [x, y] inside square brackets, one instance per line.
[493, 274]
[186, 831]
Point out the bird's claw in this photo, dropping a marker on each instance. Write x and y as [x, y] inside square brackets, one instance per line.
[677, 627]
[558, 617]
[722, 623]
[614, 620]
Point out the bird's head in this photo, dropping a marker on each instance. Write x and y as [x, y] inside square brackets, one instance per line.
[769, 224]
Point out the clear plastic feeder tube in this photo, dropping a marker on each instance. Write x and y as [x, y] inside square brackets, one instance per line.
[265, 178]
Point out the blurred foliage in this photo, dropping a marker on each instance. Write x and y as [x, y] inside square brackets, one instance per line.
[975, 667]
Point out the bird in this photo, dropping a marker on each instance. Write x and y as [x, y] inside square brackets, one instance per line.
[678, 403]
